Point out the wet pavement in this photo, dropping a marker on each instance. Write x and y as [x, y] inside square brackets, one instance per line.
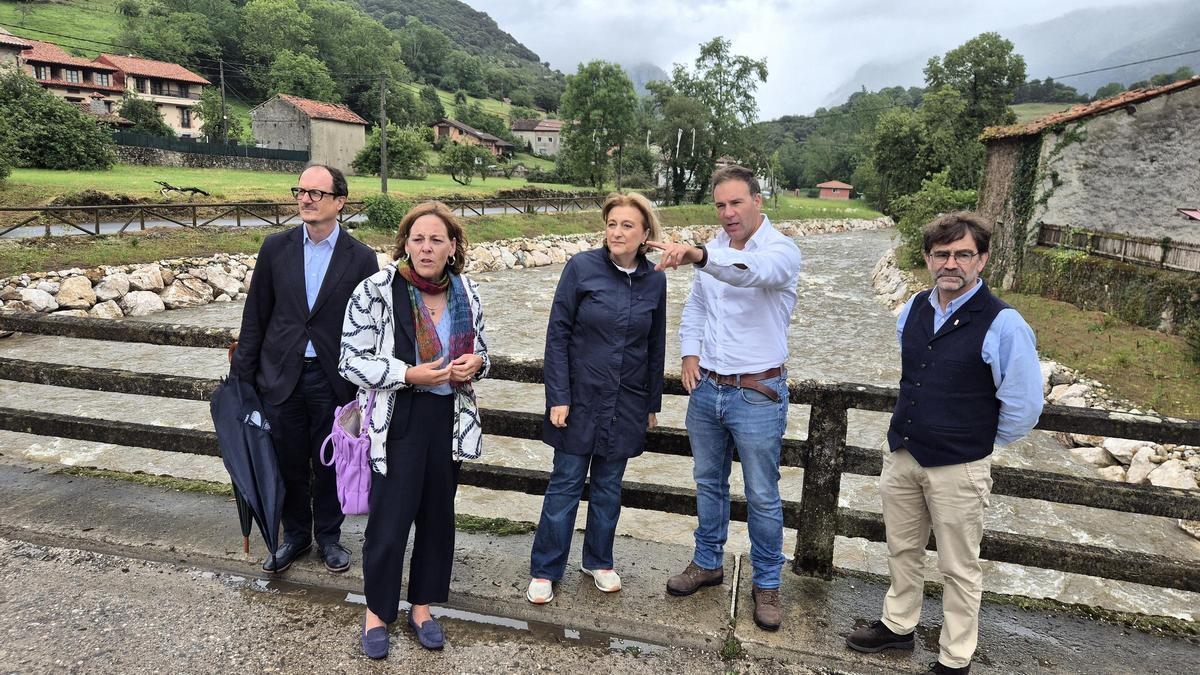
[102, 575]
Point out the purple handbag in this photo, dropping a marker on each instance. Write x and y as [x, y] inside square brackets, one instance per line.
[351, 455]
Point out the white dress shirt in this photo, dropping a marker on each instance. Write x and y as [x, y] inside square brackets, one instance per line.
[737, 314]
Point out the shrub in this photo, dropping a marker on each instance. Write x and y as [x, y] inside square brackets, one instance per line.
[46, 131]
[537, 175]
[406, 152]
[1191, 334]
[145, 117]
[384, 212]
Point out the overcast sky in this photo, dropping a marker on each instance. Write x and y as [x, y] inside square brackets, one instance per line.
[811, 46]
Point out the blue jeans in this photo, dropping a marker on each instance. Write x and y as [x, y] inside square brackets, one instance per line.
[553, 539]
[719, 418]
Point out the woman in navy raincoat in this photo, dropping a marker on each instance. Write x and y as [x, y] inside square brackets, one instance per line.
[605, 346]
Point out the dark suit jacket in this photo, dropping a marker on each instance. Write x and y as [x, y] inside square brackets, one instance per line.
[276, 322]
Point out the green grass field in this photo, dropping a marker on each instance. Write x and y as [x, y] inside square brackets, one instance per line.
[36, 187]
[92, 19]
[1027, 112]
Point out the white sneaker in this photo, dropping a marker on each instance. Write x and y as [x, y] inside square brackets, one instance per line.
[540, 591]
[606, 580]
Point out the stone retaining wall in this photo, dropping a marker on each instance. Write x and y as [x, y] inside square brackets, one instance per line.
[132, 154]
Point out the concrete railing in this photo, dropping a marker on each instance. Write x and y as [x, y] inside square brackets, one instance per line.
[824, 454]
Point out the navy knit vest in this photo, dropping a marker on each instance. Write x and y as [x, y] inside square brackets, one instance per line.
[948, 412]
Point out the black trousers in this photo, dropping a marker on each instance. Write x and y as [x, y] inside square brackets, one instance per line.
[298, 427]
[418, 489]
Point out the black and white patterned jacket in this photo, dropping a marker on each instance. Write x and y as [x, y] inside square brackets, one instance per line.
[368, 359]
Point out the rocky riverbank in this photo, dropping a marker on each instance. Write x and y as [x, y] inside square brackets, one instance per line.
[137, 290]
[1117, 459]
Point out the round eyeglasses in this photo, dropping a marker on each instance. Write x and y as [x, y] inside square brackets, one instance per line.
[315, 195]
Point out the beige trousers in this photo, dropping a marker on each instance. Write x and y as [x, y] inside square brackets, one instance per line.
[950, 500]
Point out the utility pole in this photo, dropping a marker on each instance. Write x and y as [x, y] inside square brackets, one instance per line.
[383, 156]
[224, 115]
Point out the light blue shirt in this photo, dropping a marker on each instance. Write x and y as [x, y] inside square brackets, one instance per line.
[316, 262]
[1010, 349]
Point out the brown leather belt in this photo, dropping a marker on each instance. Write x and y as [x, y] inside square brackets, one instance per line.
[749, 381]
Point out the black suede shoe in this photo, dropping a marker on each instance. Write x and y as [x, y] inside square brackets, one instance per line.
[938, 669]
[336, 557]
[876, 637]
[284, 557]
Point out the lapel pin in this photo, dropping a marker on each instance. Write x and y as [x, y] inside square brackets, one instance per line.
[956, 322]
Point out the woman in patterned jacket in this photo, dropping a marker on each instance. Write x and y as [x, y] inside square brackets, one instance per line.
[414, 335]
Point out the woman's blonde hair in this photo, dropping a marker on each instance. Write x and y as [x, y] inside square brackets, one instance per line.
[638, 201]
[453, 228]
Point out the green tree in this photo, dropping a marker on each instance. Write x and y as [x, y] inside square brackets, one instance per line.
[681, 128]
[270, 27]
[145, 117]
[462, 161]
[8, 147]
[406, 148]
[725, 83]
[600, 100]
[433, 104]
[403, 107]
[467, 70]
[48, 132]
[423, 48]
[218, 124]
[936, 196]
[1110, 89]
[162, 32]
[898, 157]
[300, 75]
[986, 71]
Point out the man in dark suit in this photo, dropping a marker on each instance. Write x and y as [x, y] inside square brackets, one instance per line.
[288, 346]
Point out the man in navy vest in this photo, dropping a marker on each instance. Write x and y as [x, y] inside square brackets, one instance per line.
[969, 380]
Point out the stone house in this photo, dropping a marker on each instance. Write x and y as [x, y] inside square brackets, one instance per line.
[175, 90]
[72, 78]
[1122, 166]
[543, 137]
[11, 47]
[834, 189]
[447, 129]
[331, 133]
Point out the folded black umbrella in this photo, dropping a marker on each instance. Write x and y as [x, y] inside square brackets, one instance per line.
[244, 436]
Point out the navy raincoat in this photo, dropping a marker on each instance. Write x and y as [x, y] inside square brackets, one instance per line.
[605, 346]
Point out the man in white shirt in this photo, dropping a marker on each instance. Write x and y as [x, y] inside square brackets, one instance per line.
[734, 346]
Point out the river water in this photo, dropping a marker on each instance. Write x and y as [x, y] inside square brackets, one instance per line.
[838, 332]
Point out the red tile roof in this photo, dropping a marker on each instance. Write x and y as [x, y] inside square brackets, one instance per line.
[46, 52]
[835, 185]
[320, 110]
[549, 125]
[9, 40]
[524, 125]
[138, 66]
[481, 135]
[1085, 110]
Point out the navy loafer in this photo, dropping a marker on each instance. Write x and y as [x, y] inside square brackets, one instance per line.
[336, 557]
[429, 634]
[284, 557]
[375, 641]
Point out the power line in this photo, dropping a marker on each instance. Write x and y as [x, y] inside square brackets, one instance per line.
[1131, 63]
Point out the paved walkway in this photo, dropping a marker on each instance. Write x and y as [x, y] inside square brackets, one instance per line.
[97, 573]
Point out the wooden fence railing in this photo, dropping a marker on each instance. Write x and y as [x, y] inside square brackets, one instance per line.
[1165, 253]
[824, 454]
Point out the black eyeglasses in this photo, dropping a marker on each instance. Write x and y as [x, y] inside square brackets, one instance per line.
[961, 257]
[315, 195]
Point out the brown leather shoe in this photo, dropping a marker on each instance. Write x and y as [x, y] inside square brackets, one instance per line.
[768, 612]
[693, 578]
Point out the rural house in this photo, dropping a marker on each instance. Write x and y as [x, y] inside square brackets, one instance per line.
[11, 47]
[454, 131]
[71, 77]
[544, 137]
[1119, 168]
[834, 189]
[175, 90]
[331, 133]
